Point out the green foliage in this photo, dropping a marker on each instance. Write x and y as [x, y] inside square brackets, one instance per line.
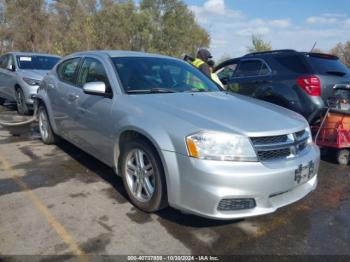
[259, 45]
[173, 30]
[66, 26]
[343, 52]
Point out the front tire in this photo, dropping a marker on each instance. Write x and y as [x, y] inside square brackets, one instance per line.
[22, 107]
[2, 101]
[46, 132]
[143, 175]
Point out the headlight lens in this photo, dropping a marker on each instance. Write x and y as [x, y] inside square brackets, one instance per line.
[31, 81]
[220, 146]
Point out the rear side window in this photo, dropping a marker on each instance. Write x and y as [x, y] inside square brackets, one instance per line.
[251, 68]
[66, 70]
[294, 63]
[328, 66]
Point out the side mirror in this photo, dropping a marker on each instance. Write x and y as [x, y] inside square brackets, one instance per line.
[11, 68]
[95, 88]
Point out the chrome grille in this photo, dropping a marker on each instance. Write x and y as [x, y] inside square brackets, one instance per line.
[300, 134]
[273, 154]
[280, 147]
[269, 139]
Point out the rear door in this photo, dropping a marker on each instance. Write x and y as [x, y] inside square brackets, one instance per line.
[331, 72]
[60, 93]
[7, 77]
[3, 63]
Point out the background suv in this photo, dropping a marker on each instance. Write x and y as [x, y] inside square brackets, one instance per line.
[299, 81]
[20, 76]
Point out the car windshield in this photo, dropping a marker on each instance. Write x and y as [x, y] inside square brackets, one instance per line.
[160, 75]
[36, 62]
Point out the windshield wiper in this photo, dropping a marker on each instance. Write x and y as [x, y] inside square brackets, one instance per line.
[337, 73]
[151, 91]
[162, 90]
[197, 90]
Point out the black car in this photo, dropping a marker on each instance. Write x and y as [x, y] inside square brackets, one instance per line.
[299, 81]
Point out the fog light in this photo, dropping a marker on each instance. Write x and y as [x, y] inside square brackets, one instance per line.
[236, 204]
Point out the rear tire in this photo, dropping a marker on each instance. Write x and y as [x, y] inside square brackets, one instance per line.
[143, 175]
[343, 157]
[22, 107]
[46, 132]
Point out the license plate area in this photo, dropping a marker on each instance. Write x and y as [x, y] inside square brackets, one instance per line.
[304, 172]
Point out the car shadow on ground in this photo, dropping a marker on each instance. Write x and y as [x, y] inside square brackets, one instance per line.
[107, 174]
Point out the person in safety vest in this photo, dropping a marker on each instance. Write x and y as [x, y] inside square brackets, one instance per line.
[201, 62]
[214, 76]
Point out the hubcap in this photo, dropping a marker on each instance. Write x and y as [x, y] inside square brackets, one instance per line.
[140, 175]
[43, 125]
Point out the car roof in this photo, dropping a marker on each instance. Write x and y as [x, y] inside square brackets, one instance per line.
[284, 52]
[119, 53]
[32, 53]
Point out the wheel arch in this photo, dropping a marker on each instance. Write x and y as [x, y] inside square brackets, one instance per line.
[41, 101]
[129, 134]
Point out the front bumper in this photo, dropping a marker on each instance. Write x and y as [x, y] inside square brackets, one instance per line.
[197, 186]
[29, 93]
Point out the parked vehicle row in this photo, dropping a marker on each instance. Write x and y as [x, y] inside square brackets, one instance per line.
[299, 81]
[175, 138]
[20, 77]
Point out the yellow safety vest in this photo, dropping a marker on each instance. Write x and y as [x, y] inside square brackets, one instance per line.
[198, 62]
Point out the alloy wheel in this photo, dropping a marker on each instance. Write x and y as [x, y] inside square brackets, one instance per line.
[43, 125]
[140, 175]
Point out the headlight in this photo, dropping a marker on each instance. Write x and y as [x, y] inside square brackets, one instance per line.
[308, 131]
[31, 81]
[220, 146]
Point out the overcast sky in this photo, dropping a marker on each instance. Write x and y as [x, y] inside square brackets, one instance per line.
[295, 24]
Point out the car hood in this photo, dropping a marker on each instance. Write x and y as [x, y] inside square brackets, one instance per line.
[222, 111]
[35, 74]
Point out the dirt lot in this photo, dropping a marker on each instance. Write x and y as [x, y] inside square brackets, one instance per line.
[59, 200]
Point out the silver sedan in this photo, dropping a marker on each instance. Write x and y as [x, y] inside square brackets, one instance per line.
[175, 137]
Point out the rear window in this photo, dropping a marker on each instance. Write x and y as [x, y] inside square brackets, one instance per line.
[294, 63]
[328, 66]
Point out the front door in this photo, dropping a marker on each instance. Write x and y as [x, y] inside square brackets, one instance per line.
[250, 77]
[93, 112]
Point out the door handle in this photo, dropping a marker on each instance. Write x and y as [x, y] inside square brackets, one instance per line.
[50, 86]
[73, 97]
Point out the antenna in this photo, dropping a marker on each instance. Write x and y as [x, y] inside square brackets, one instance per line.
[313, 47]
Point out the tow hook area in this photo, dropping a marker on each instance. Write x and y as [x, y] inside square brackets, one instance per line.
[16, 127]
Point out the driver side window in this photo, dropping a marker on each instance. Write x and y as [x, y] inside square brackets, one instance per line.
[92, 70]
[227, 73]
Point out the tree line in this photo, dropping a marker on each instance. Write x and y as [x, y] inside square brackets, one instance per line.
[65, 26]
